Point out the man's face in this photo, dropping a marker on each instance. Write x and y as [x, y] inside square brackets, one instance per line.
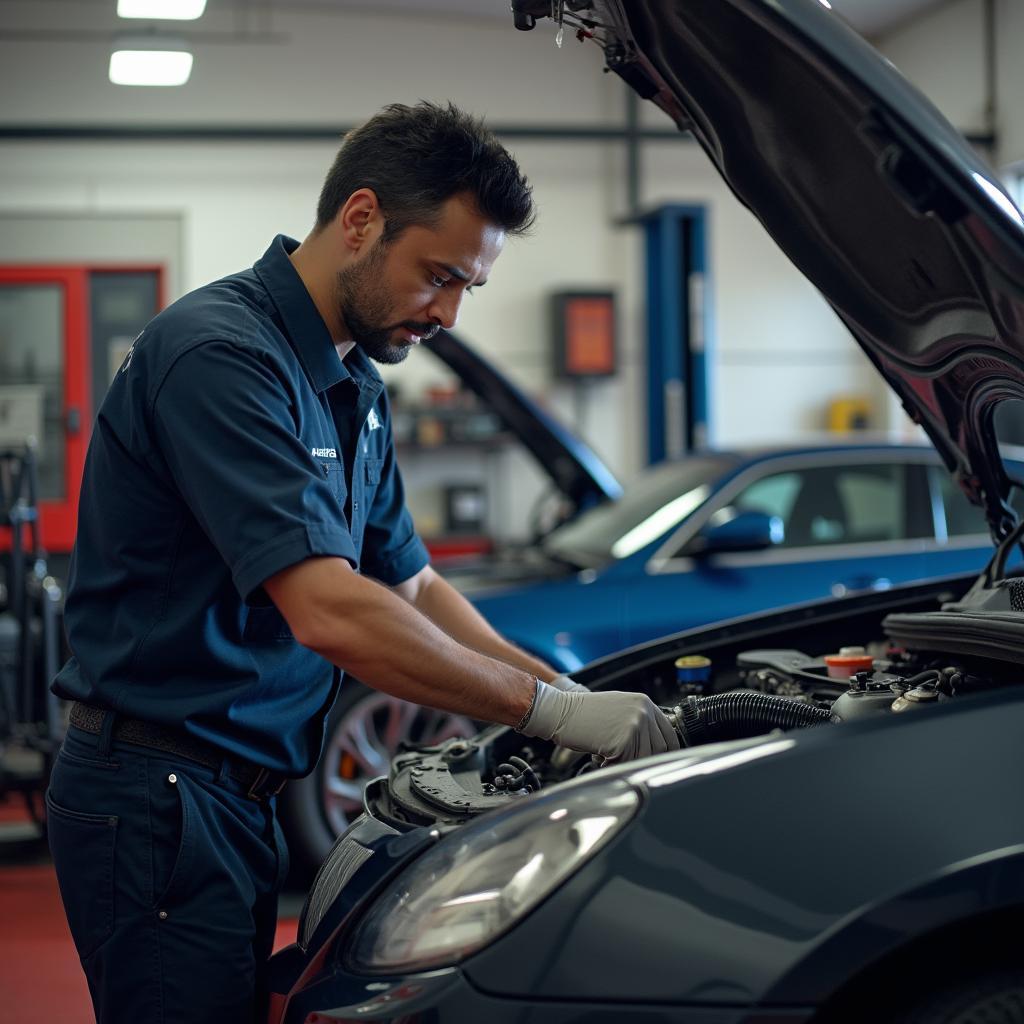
[402, 291]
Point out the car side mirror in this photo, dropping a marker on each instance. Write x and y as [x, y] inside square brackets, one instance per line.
[746, 531]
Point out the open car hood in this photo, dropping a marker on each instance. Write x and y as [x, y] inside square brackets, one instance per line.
[864, 185]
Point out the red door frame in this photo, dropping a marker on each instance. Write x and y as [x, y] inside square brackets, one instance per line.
[58, 519]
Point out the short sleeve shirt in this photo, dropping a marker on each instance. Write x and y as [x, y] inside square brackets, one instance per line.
[232, 444]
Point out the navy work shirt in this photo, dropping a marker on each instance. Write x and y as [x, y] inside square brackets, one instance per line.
[233, 443]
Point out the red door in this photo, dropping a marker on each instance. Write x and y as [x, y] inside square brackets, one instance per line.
[44, 385]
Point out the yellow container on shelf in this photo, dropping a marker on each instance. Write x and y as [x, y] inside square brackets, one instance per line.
[849, 413]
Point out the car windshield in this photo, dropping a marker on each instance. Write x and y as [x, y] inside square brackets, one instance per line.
[656, 501]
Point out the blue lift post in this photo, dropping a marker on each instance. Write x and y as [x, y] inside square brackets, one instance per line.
[678, 331]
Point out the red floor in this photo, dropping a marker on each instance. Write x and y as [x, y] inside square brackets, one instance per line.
[40, 979]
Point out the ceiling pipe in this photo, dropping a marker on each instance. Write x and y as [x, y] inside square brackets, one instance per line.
[332, 133]
[991, 113]
[633, 155]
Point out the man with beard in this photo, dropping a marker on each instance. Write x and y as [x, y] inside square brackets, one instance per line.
[243, 539]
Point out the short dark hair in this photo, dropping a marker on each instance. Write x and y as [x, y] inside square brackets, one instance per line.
[416, 158]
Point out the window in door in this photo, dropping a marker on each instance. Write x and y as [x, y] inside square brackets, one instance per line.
[844, 504]
[962, 518]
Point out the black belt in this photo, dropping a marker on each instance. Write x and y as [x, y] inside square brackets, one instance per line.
[259, 782]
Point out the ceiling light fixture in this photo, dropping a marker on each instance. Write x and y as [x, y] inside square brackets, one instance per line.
[153, 60]
[176, 10]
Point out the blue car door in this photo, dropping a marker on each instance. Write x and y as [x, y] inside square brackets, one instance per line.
[852, 525]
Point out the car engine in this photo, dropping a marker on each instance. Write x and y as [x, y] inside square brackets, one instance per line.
[923, 660]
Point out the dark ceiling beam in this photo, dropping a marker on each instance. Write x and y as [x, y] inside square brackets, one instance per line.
[316, 133]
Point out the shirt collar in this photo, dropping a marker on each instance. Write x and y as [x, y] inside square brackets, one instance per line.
[360, 368]
[303, 324]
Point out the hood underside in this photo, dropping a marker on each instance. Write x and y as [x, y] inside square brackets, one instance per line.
[865, 186]
[572, 466]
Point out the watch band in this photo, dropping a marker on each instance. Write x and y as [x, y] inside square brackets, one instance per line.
[529, 710]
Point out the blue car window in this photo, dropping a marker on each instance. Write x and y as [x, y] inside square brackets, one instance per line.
[821, 505]
[774, 495]
[962, 518]
[874, 500]
[654, 503]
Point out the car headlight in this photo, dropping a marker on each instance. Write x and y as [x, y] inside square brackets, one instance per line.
[478, 882]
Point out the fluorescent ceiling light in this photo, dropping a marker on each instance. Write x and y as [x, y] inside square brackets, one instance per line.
[152, 63]
[177, 10]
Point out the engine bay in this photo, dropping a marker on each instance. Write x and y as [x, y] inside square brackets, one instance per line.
[916, 660]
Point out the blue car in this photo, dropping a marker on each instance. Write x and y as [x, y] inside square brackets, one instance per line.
[719, 535]
[840, 837]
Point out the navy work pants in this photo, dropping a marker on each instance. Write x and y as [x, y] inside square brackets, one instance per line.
[169, 876]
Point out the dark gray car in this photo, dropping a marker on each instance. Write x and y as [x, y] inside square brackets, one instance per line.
[841, 836]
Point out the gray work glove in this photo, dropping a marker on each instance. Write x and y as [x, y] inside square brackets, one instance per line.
[567, 684]
[615, 726]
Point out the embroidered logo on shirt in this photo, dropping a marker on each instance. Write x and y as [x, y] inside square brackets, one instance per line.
[373, 421]
[324, 453]
[131, 351]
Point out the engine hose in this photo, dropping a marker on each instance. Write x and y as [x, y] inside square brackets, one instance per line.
[516, 774]
[733, 716]
[528, 775]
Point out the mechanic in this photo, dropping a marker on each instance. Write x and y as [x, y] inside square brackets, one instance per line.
[242, 540]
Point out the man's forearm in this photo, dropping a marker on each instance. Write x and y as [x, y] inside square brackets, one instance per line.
[446, 607]
[379, 636]
[370, 631]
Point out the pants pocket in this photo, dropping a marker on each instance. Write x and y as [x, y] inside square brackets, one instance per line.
[177, 825]
[172, 819]
[107, 765]
[82, 846]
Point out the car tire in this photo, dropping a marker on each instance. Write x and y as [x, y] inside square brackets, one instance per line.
[363, 731]
[994, 998]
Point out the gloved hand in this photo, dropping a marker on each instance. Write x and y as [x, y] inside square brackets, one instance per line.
[567, 683]
[615, 726]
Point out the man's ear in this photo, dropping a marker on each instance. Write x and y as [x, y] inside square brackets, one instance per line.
[361, 219]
